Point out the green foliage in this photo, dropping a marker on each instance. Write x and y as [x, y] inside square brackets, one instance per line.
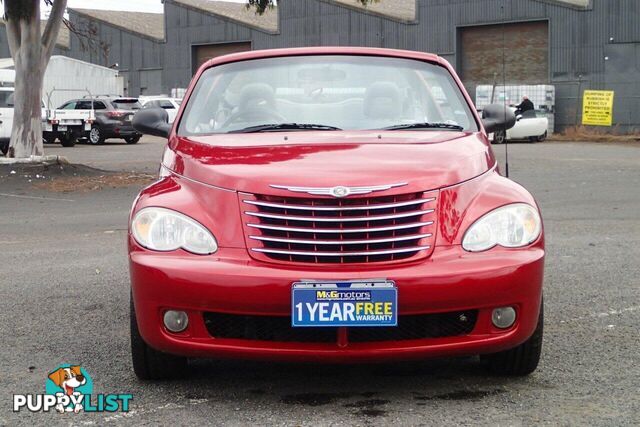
[261, 6]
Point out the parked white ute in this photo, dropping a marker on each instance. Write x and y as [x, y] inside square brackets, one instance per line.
[528, 127]
[170, 105]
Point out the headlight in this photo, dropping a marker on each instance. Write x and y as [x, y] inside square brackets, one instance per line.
[161, 229]
[511, 226]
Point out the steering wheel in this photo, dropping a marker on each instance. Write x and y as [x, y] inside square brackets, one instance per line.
[255, 114]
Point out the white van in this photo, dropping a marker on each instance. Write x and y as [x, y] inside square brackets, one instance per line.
[6, 117]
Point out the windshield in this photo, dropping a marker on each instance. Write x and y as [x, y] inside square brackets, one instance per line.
[126, 104]
[6, 99]
[341, 92]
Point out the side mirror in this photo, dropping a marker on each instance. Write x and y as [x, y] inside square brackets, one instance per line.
[496, 117]
[518, 117]
[152, 121]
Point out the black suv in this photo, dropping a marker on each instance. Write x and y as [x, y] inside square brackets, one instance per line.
[113, 118]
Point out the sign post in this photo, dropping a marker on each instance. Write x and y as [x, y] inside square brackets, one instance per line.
[597, 108]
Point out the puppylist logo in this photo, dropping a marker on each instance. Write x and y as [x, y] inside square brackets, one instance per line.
[69, 388]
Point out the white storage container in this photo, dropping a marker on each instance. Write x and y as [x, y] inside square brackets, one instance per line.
[68, 73]
[72, 75]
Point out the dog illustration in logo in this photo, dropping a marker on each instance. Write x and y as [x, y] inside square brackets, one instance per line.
[68, 379]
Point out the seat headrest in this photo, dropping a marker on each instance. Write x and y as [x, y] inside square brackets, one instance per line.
[382, 100]
[257, 95]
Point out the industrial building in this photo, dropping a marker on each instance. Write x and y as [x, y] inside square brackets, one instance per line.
[571, 44]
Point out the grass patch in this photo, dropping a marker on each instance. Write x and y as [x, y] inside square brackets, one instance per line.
[595, 134]
[95, 183]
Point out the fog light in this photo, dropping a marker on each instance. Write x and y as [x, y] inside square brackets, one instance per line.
[503, 317]
[176, 321]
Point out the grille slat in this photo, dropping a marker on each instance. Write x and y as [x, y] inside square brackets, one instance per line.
[341, 242]
[340, 220]
[338, 208]
[340, 253]
[341, 230]
[322, 230]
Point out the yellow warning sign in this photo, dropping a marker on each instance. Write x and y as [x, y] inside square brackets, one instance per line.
[597, 108]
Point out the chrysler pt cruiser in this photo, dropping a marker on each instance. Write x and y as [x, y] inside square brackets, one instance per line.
[338, 205]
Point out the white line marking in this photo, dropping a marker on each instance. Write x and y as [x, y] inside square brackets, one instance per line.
[142, 411]
[604, 314]
[35, 198]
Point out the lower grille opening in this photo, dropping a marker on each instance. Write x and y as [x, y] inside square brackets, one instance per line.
[420, 326]
[264, 328]
[278, 328]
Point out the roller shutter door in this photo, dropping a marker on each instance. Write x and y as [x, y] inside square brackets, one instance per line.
[526, 54]
[202, 53]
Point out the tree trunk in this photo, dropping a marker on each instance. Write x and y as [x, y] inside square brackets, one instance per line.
[30, 51]
[26, 134]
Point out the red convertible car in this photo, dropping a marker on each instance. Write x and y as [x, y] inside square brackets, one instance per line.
[333, 205]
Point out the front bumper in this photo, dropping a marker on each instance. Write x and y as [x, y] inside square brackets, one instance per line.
[451, 280]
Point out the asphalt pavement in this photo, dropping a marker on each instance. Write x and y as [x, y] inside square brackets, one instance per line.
[114, 154]
[65, 299]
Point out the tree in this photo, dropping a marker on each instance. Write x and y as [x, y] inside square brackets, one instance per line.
[31, 50]
[261, 6]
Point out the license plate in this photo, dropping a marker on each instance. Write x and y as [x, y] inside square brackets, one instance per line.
[62, 127]
[350, 303]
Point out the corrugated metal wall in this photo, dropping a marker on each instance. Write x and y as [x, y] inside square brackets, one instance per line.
[4, 45]
[137, 56]
[579, 39]
[187, 27]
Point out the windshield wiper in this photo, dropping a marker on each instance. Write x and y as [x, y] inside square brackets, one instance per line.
[424, 125]
[284, 126]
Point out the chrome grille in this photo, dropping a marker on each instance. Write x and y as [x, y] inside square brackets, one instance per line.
[322, 230]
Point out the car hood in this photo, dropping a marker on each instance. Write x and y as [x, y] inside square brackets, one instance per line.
[251, 163]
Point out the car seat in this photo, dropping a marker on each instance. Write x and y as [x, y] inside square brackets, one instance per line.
[383, 100]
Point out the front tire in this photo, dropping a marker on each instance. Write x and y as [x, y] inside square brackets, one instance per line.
[521, 360]
[95, 136]
[499, 137]
[542, 137]
[150, 364]
[132, 139]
